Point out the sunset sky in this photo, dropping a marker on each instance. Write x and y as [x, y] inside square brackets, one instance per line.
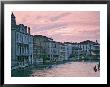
[62, 26]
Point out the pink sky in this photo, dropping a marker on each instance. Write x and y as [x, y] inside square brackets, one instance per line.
[62, 26]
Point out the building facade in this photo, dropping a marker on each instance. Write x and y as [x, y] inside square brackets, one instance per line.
[63, 52]
[39, 49]
[85, 50]
[68, 49]
[55, 52]
[45, 50]
[21, 45]
[95, 51]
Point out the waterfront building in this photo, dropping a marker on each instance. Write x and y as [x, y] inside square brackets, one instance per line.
[21, 45]
[40, 49]
[95, 51]
[85, 49]
[76, 53]
[55, 52]
[68, 50]
[86, 46]
[49, 50]
[45, 50]
[63, 52]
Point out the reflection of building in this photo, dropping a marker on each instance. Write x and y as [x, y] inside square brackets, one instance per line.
[21, 45]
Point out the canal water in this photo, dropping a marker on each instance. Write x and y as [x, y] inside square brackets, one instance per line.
[71, 69]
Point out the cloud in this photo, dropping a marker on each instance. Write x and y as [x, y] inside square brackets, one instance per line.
[43, 27]
[55, 18]
[94, 30]
[62, 25]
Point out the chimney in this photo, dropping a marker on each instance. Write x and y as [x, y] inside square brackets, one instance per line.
[96, 41]
[28, 30]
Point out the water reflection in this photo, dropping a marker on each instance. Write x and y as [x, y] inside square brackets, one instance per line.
[72, 69]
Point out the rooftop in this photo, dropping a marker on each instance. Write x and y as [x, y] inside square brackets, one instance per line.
[12, 15]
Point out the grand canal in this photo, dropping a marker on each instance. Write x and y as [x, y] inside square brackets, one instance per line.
[71, 69]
